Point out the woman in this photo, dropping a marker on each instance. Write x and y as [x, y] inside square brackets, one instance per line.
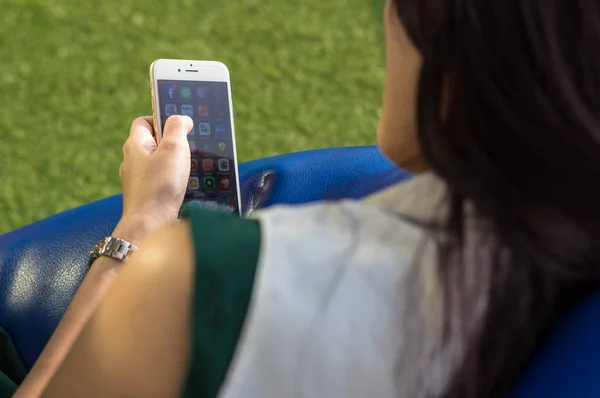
[442, 286]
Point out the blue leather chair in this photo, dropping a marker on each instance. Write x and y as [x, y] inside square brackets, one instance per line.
[42, 264]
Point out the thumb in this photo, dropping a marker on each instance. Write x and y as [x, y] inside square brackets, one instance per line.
[177, 127]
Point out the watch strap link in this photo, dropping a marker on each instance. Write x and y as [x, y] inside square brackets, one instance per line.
[112, 247]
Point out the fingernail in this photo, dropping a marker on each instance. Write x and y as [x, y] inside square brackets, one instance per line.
[191, 122]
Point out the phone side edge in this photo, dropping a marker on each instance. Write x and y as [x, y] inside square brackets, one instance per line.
[155, 100]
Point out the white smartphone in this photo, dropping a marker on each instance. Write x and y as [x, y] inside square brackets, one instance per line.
[202, 91]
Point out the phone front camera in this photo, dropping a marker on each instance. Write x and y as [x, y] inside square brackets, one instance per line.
[190, 64]
[178, 70]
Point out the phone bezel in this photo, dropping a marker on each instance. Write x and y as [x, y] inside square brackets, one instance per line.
[204, 71]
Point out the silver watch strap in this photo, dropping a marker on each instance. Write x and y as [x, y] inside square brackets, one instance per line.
[113, 247]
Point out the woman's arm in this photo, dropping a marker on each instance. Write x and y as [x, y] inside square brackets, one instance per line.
[137, 343]
[154, 182]
[86, 300]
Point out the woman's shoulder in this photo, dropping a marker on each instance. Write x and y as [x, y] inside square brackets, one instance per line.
[384, 238]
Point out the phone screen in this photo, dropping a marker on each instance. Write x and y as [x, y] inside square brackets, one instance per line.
[212, 182]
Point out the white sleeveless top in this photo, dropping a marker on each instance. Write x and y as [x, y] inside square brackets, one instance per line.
[347, 302]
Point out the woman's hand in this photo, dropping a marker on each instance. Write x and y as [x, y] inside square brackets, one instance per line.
[154, 177]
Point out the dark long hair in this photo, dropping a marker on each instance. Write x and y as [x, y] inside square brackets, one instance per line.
[509, 117]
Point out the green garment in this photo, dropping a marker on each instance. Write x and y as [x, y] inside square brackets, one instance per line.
[226, 248]
[12, 369]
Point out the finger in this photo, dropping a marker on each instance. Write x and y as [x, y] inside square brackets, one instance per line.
[141, 139]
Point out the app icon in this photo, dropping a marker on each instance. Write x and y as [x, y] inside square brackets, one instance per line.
[206, 147]
[211, 204]
[193, 147]
[222, 146]
[204, 128]
[220, 111]
[196, 203]
[218, 94]
[209, 182]
[203, 111]
[221, 128]
[171, 92]
[227, 206]
[208, 165]
[194, 184]
[187, 110]
[202, 93]
[225, 183]
[170, 110]
[194, 165]
[223, 164]
[185, 93]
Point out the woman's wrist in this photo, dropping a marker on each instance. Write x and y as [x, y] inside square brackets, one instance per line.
[134, 229]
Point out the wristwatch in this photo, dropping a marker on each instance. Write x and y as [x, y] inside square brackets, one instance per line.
[112, 247]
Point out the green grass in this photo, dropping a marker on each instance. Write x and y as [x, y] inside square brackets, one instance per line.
[73, 74]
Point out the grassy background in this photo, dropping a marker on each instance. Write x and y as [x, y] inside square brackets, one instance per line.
[73, 74]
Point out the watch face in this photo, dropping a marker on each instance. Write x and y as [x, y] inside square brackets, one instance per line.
[102, 246]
